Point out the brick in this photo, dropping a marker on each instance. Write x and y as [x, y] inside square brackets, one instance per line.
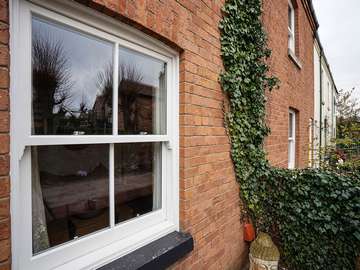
[4, 229]
[4, 208]
[4, 186]
[4, 143]
[5, 250]
[4, 165]
[4, 100]
[4, 78]
[4, 55]
[4, 121]
[5, 266]
[4, 12]
[4, 33]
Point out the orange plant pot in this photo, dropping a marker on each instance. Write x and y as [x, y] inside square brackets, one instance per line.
[249, 232]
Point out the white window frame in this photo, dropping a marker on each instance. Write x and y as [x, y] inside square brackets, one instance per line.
[292, 141]
[101, 247]
[291, 28]
[311, 142]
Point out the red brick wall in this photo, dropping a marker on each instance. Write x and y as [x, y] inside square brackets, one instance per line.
[209, 200]
[296, 85]
[4, 138]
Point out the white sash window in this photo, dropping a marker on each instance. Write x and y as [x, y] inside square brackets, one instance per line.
[94, 137]
[291, 27]
[292, 140]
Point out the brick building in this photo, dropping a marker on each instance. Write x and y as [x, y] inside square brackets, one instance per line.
[60, 51]
[295, 69]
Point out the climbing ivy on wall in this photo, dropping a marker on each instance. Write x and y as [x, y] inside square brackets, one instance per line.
[313, 214]
[245, 79]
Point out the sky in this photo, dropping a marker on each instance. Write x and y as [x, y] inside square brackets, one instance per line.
[340, 36]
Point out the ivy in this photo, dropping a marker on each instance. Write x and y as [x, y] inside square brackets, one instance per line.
[317, 215]
[313, 214]
[244, 49]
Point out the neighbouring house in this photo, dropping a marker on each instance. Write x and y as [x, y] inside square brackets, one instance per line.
[112, 130]
[325, 95]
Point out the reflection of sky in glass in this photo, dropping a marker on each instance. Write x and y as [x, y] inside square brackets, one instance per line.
[87, 56]
[149, 68]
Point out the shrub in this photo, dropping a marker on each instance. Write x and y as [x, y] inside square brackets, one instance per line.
[316, 214]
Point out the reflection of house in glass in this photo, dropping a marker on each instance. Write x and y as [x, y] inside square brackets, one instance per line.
[101, 111]
[135, 109]
[136, 101]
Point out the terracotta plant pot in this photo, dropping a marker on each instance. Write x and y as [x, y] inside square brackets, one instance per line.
[249, 232]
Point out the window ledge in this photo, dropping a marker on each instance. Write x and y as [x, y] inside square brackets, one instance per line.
[159, 254]
[294, 58]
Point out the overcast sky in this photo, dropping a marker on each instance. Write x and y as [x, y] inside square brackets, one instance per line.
[340, 36]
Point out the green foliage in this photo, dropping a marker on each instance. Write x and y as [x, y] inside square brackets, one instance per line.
[243, 47]
[317, 217]
[313, 214]
[348, 119]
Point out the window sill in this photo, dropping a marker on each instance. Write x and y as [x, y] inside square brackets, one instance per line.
[294, 58]
[159, 254]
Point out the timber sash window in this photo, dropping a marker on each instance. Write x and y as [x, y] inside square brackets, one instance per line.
[95, 152]
[291, 27]
[292, 136]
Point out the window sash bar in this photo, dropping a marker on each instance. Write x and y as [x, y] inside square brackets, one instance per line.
[112, 185]
[115, 88]
[92, 139]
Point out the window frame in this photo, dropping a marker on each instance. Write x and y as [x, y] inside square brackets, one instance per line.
[311, 142]
[106, 245]
[292, 141]
[291, 30]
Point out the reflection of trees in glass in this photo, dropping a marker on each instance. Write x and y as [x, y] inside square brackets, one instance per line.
[58, 107]
[51, 82]
[61, 107]
[129, 89]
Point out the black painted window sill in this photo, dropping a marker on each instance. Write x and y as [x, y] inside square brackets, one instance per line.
[159, 254]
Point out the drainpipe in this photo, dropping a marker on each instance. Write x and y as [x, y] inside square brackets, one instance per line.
[321, 92]
[316, 37]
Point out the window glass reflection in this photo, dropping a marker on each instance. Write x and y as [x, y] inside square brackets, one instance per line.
[70, 192]
[142, 94]
[70, 94]
[137, 179]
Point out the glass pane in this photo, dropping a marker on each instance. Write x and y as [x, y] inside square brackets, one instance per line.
[291, 154]
[142, 94]
[137, 179]
[290, 17]
[70, 193]
[291, 123]
[71, 81]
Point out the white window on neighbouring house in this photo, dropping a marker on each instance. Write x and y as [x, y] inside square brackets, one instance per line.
[291, 27]
[311, 142]
[292, 140]
[94, 138]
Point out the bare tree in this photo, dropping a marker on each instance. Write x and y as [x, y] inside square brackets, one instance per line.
[51, 80]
